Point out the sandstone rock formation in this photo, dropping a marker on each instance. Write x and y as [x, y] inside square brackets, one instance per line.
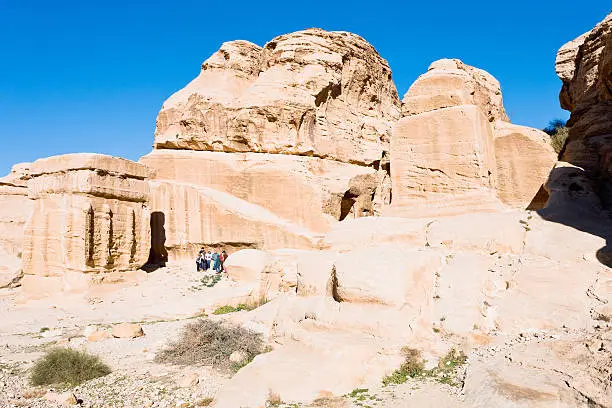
[312, 92]
[585, 67]
[90, 215]
[15, 208]
[297, 132]
[454, 149]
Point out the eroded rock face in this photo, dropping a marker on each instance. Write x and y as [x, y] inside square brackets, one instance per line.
[455, 150]
[450, 82]
[443, 162]
[312, 92]
[15, 208]
[524, 159]
[307, 192]
[585, 67]
[90, 215]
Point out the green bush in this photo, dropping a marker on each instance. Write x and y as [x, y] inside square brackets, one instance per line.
[557, 140]
[206, 342]
[67, 366]
[413, 366]
[558, 134]
[231, 309]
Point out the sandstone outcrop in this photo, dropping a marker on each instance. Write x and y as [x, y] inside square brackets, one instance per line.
[15, 208]
[455, 150]
[308, 116]
[585, 67]
[312, 92]
[90, 215]
[450, 82]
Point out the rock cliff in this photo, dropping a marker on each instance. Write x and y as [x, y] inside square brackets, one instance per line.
[585, 67]
[90, 215]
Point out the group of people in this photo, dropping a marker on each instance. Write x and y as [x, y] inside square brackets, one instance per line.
[207, 260]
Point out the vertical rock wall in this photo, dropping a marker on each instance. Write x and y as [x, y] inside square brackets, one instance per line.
[90, 215]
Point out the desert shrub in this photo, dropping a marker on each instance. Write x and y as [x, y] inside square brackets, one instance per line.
[231, 309]
[558, 134]
[210, 280]
[451, 360]
[67, 366]
[557, 140]
[206, 342]
[274, 400]
[413, 366]
[205, 402]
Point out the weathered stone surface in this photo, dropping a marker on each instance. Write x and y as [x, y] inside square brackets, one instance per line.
[455, 150]
[86, 218]
[321, 190]
[387, 275]
[473, 232]
[369, 231]
[186, 217]
[572, 372]
[64, 399]
[450, 82]
[311, 92]
[524, 160]
[585, 67]
[127, 331]
[443, 162]
[15, 209]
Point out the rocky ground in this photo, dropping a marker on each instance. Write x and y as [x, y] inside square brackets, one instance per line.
[136, 380]
[165, 300]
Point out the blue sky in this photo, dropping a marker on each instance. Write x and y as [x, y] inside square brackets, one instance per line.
[90, 76]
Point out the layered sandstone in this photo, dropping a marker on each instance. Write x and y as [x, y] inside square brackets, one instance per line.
[90, 215]
[306, 191]
[312, 92]
[297, 132]
[455, 150]
[15, 208]
[450, 82]
[585, 67]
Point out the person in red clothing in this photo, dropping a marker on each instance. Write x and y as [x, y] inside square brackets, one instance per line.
[222, 258]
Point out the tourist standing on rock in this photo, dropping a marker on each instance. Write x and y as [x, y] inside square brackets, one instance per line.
[208, 258]
[222, 258]
[217, 261]
[200, 261]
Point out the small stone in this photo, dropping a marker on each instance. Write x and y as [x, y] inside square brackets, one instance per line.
[189, 380]
[98, 335]
[127, 330]
[66, 398]
[239, 357]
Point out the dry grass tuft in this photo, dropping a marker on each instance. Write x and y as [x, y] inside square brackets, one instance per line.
[67, 366]
[207, 342]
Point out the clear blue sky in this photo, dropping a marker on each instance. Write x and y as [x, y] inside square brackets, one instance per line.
[90, 76]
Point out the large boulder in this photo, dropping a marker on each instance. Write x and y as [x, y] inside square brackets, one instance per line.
[312, 92]
[524, 158]
[443, 162]
[455, 151]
